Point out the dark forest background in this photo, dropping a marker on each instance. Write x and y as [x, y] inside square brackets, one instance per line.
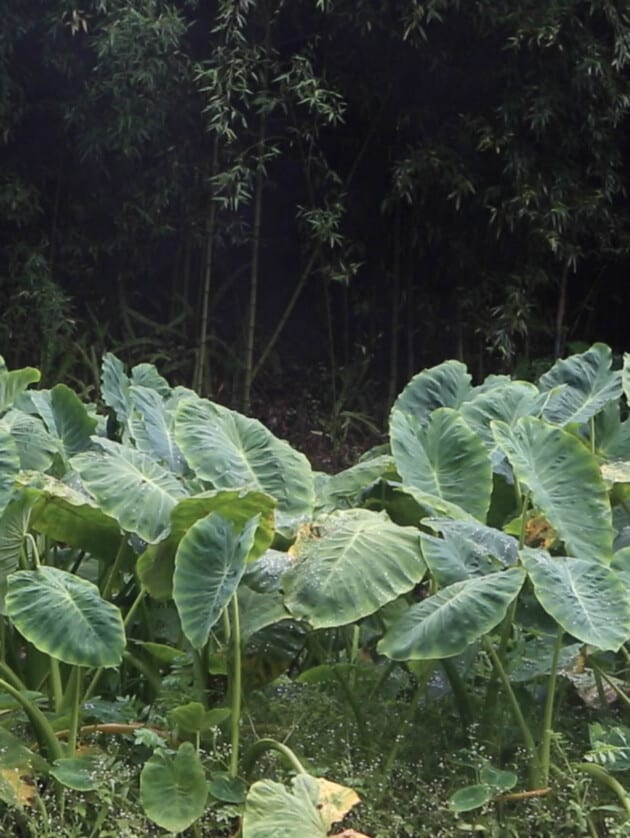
[294, 205]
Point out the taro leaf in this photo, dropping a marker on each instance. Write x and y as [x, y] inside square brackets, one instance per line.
[209, 564]
[343, 490]
[506, 402]
[152, 429]
[499, 779]
[37, 403]
[445, 624]
[70, 517]
[351, 566]
[225, 788]
[73, 423]
[589, 385]
[84, 773]
[264, 575]
[565, 483]
[173, 789]
[407, 505]
[233, 451]
[236, 506]
[156, 565]
[586, 598]
[274, 811]
[503, 547]
[9, 466]
[470, 797]
[65, 617]
[194, 718]
[533, 658]
[14, 752]
[446, 385]
[131, 487]
[15, 382]
[259, 610]
[454, 558]
[115, 387]
[14, 524]
[146, 375]
[625, 376]
[445, 459]
[611, 434]
[35, 446]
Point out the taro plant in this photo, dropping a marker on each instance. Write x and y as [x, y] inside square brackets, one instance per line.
[169, 501]
[507, 502]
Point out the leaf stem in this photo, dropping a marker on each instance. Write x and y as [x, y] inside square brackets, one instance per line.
[528, 739]
[236, 686]
[42, 727]
[545, 748]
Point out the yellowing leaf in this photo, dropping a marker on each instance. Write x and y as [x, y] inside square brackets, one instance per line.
[16, 789]
[335, 801]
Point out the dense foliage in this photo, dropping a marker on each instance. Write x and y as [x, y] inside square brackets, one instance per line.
[372, 186]
[172, 569]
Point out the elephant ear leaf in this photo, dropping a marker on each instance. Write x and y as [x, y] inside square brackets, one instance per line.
[585, 385]
[586, 598]
[443, 459]
[446, 385]
[564, 481]
[447, 623]
[232, 451]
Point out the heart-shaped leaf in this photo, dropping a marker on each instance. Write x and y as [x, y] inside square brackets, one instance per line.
[209, 564]
[586, 598]
[444, 459]
[565, 484]
[232, 451]
[587, 383]
[350, 566]
[65, 617]
[131, 487]
[173, 789]
[445, 624]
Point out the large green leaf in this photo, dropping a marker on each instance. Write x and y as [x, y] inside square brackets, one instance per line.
[350, 566]
[115, 387]
[152, 428]
[274, 811]
[14, 524]
[446, 385]
[15, 382]
[445, 624]
[233, 451]
[72, 422]
[9, 466]
[146, 375]
[70, 517]
[173, 789]
[156, 565]
[586, 598]
[589, 384]
[565, 483]
[495, 542]
[209, 564]
[507, 402]
[407, 505]
[36, 447]
[342, 490]
[65, 617]
[454, 558]
[131, 487]
[444, 459]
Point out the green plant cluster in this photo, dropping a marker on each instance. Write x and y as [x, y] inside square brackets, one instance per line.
[163, 562]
